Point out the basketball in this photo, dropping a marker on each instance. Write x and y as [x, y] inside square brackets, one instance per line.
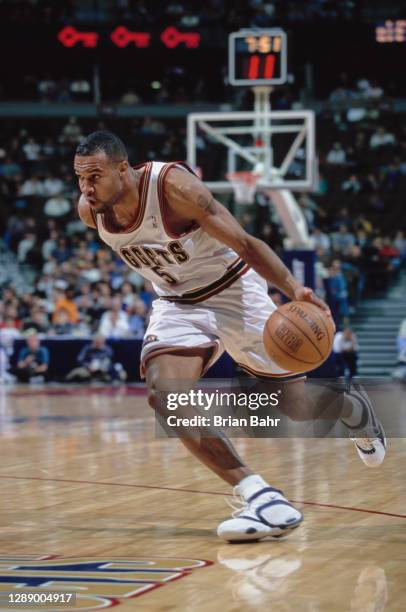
[298, 336]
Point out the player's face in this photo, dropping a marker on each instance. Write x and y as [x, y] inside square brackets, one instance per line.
[101, 180]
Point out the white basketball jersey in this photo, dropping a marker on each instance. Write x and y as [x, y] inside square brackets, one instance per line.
[186, 268]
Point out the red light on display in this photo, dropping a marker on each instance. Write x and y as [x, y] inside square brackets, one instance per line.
[261, 67]
[253, 67]
[70, 37]
[269, 67]
[171, 38]
[122, 37]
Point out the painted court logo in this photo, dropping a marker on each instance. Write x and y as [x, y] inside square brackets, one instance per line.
[97, 582]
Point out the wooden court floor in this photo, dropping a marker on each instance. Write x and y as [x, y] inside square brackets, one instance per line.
[93, 501]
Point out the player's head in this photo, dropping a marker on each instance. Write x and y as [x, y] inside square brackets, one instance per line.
[101, 163]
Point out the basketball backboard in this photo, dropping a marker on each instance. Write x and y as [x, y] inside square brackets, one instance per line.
[279, 145]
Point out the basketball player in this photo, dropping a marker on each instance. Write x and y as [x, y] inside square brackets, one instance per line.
[210, 277]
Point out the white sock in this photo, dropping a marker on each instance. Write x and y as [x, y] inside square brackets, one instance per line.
[250, 485]
[355, 418]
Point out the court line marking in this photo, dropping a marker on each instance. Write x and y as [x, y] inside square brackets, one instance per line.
[177, 490]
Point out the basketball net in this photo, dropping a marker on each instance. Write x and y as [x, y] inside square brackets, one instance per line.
[244, 185]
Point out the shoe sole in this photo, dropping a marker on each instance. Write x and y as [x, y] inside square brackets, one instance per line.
[358, 393]
[277, 536]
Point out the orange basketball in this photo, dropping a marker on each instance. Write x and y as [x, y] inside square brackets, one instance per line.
[298, 336]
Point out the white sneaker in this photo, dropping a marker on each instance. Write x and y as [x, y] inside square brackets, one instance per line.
[369, 437]
[267, 513]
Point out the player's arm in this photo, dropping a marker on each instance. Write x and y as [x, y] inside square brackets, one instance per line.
[188, 197]
[85, 212]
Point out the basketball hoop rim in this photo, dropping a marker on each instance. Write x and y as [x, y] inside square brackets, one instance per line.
[245, 176]
[244, 184]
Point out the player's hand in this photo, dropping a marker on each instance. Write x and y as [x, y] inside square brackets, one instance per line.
[305, 294]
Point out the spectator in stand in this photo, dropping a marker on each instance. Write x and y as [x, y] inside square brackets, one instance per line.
[53, 186]
[360, 143]
[391, 175]
[152, 126]
[114, 322]
[268, 232]
[8, 334]
[400, 244]
[343, 240]
[373, 91]
[337, 292]
[351, 185]
[136, 322]
[65, 301]
[9, 169]
[381, 138]
[377, 269]
[371, 183]
[61, 323]
[13, 311]
[49, 149]
[32, 150]
[80, 89]
[369, 90]
[72, 132]
[32, 187]
[362, 223]
[345, 349]
[130, 98]
[49, 245]
[340, 97]
[95, 362]
[47, 89]
[357, 112]
[336, 155]
[319, 239]
[131, 300]
[57, 207]
[25, 246]
[148, 295]
[62, 252]
[353, 264]
[362, 85]
[36, 320]
[343, 217]
[390, 253]
[310, 209]
[32, 362]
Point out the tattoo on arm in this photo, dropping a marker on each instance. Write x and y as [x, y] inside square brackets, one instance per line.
[205, 202]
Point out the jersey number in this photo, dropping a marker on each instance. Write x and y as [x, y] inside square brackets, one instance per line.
[146, 257]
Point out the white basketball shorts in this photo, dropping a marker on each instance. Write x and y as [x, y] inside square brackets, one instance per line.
[232, 321]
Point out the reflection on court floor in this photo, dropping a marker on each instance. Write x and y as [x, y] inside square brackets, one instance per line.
[91, 498]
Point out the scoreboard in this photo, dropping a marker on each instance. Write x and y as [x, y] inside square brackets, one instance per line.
[257, 57]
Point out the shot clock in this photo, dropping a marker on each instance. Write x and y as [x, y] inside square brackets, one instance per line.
[257, 57]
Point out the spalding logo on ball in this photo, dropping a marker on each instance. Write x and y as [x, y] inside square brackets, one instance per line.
[298, 336]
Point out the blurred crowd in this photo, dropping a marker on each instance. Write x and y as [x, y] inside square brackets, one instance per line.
[58, 279]
[70, 283]
[190, 13]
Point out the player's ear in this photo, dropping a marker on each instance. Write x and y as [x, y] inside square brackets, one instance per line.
[123, 167]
